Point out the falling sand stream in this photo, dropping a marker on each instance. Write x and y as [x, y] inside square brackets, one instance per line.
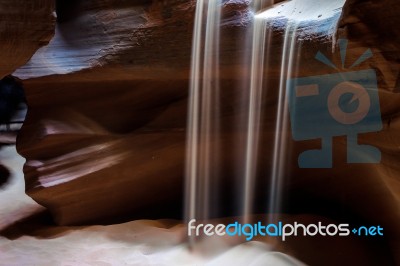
[204, 120]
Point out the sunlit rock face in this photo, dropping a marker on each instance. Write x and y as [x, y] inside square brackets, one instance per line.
[105, 132]
[25, 27]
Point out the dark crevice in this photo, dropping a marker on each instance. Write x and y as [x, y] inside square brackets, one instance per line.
[66, 10]
[4, 175]
[11, 96]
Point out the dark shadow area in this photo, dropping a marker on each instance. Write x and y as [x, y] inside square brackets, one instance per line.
[4, 175]
[69, 10]
[11, 96]
[39, 225]
[12, 109]
[66, 10]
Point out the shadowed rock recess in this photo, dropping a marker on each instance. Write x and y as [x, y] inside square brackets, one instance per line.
[104, 136]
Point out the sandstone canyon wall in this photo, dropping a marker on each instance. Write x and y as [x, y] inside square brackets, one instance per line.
[105, 132]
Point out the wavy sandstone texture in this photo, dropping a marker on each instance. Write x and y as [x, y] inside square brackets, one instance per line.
[105, 132]
[25, 27]
[128, 137]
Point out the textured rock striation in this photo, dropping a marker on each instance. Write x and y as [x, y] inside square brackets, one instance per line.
[25, 27]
